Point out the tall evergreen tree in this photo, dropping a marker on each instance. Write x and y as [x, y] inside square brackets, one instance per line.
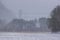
[54, 22]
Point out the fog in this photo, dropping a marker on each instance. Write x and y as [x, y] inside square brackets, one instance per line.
[31, 9]
[31, 17]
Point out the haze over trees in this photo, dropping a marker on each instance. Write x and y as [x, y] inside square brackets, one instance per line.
[5, 16]
[19, 24]
[44, 24]
[5, 13]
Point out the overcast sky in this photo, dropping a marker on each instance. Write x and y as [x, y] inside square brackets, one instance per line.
[31, 8]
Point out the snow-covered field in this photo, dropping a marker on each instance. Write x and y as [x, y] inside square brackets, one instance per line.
[29, 36]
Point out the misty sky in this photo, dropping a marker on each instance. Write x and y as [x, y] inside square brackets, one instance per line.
[31, 8]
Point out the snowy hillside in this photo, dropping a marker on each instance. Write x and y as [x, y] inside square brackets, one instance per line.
[29, 36]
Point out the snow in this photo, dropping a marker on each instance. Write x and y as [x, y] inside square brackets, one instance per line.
[29, 36]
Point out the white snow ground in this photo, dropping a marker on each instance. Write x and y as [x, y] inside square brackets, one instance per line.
[29, 36]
